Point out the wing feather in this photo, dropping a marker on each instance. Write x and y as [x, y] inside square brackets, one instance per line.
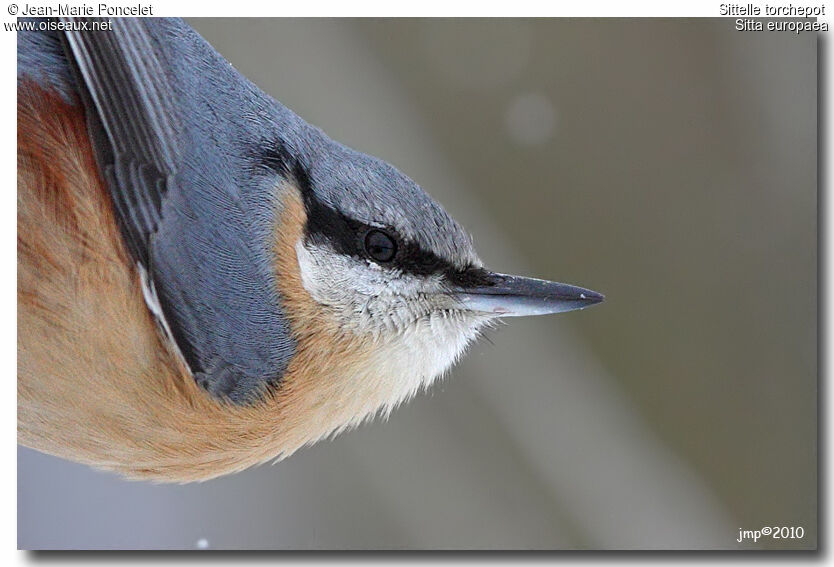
[130, 92]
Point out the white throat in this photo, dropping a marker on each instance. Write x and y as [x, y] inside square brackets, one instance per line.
[417, 331]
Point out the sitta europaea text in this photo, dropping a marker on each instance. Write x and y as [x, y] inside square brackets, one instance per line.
[205, 280]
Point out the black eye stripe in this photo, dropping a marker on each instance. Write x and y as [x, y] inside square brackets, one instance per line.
[348, 236]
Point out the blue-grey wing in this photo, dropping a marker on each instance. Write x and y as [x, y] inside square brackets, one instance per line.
[194, 219]
[132, 100]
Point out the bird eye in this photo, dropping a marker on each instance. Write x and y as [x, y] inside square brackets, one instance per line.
[380, 246]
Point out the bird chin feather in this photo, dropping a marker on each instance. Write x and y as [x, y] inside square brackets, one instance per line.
[416, 332]
[422, 352]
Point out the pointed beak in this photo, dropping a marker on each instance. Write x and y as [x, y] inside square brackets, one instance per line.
[516, 296]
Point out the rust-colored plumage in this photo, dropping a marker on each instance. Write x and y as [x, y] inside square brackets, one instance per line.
[294, 330]
[97, 382]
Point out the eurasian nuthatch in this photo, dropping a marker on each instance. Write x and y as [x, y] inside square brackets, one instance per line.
[206, 281]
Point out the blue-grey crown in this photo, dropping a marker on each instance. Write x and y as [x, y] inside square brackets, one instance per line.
[375, 193]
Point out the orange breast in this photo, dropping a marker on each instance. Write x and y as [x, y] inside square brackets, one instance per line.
[97, 383]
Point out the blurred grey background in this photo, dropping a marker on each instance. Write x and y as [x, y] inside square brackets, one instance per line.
[670, 164]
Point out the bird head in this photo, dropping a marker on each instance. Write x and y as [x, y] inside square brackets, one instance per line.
[386, 262]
